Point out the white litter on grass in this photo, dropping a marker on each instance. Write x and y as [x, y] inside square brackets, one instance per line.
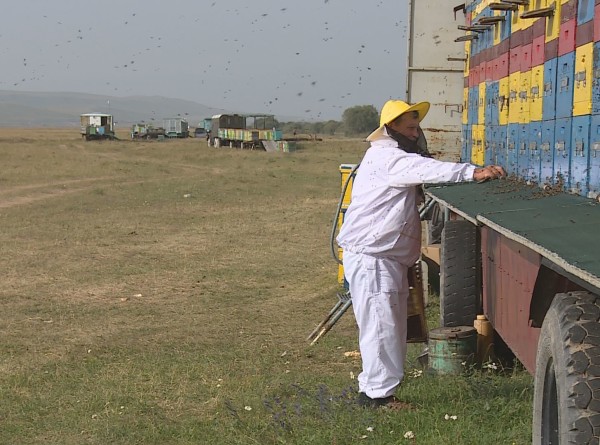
[409, 435]
[187, 195]
[248, 408]
[449, 417]
[370, 429]
[415, 373]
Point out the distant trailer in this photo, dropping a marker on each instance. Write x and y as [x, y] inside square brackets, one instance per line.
[253, 131]
[146, 131]
[176, 127]
[206, 123]
[97, 126]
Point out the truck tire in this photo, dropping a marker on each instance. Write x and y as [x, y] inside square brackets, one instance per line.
[460, 301]
[566, 401]
[436, 224]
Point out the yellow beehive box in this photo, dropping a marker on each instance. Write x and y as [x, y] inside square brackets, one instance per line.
[498, 28]
[346, 182]
[582, 85]
[477, 151]
[525, 82]
[553, 22]
[536, 93]
[345, 170]
[340, 276]
[503, 100]
[481, 103]
[514, 85]
[515, 21]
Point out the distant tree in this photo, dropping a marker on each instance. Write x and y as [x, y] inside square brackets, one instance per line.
[330, 127]
[317, 127]
[361, 119]
[310, 128]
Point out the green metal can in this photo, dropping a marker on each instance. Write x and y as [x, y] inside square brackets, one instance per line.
[452, 350]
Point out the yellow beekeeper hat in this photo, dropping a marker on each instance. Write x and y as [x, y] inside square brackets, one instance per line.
[394, 108]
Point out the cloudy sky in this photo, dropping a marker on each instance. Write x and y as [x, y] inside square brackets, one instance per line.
[307, 59]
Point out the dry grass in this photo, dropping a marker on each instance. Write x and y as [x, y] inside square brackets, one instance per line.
[153, 290]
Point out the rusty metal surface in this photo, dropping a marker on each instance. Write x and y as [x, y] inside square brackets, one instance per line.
[509, 272]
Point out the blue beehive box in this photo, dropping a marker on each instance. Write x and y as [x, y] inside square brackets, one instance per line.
[473, 114]
[535, 143]
[596, 80]
[547, 152]
[491, 94]
[594, 170]
[491, 138]
[512, 149]
[501, 146]
[523, 152]
[466, 148]
[580, 153]
[585, 11]
[549, 102]
[564, 85]
[562, 152]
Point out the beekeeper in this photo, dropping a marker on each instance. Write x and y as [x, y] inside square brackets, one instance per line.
[381, 239]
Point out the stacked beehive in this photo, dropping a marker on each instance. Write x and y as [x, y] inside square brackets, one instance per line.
[531, 92]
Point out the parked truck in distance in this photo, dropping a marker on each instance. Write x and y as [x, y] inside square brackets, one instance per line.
[97, 126]
[251, 131]
[146, 131]
[176, 127]
[203, 128]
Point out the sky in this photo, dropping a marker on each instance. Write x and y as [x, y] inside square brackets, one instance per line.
[303, 59]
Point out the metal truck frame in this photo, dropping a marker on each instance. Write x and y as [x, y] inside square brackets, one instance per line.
[524, 251]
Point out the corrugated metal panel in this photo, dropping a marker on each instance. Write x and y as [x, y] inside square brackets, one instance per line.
[436, 72]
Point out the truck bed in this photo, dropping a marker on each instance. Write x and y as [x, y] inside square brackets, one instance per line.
[561, 227]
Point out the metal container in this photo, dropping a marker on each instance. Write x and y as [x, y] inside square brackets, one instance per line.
[452, 350]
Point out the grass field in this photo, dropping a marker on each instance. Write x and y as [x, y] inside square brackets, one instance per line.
[162, 292]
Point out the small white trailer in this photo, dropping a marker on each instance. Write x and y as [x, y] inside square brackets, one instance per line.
[96, 126]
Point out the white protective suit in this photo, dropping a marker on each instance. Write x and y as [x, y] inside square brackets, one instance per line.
[381, 238]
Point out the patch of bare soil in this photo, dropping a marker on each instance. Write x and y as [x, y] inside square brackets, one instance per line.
[27, 194]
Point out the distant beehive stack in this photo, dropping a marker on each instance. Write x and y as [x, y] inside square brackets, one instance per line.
[531, 93]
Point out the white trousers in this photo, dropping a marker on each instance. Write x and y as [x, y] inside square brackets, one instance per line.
[379, 292]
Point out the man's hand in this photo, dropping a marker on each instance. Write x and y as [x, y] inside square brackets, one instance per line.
[489, 172]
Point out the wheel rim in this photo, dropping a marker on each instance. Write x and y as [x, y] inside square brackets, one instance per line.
[550, 407]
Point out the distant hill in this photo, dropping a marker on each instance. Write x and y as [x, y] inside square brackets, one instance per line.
[34, 109]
